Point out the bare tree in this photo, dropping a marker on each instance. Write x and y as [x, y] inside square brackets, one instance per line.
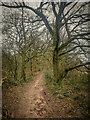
[71, 18]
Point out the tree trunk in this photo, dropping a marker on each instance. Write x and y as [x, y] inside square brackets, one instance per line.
[23, 74]
[15, 69]
[55, 66]
[31, 67]
[15, 73]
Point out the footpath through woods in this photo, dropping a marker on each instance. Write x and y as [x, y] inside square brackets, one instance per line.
[34, 100]
[33, 103]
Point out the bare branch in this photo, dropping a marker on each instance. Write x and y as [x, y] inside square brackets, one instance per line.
[72, 68]
[73, 49]
[53, 7]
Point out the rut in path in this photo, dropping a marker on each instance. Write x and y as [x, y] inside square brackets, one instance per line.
[33, 103]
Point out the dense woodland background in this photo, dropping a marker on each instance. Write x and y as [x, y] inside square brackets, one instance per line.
[52, 37]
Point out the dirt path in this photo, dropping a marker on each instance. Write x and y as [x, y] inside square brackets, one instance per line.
[34, 100]
[33, 103]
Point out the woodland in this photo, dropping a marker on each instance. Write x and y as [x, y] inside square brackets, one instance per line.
[47, 45]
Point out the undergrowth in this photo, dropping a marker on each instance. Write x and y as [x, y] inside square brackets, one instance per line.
[13, 82]
[74, 88]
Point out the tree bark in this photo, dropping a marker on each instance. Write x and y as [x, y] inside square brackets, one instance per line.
[15, 69]
[23, 74]
[55, 66]
[31, 67]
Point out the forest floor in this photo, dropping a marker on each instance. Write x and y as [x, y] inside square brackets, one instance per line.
[34, 100]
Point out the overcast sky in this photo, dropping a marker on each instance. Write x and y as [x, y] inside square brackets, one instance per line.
[0, 25]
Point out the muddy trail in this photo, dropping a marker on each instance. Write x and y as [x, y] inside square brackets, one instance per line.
[34, 100]
[31, 100]
[33, 104]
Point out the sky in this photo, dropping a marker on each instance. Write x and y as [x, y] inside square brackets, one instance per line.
[0, 46]
[44, 0]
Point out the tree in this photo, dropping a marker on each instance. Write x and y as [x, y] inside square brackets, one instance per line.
[19, 34]
[68, 17]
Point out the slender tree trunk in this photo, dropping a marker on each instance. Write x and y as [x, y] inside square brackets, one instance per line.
[23, 74]
[15, 69]
[31, 66]
[35, 65]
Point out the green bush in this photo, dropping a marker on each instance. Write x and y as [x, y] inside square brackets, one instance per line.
[27, 79]
[39, 69]
[48, 77]
[80, 96]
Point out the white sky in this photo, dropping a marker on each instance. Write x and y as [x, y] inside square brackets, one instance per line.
[41, 0]
[0, 42]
